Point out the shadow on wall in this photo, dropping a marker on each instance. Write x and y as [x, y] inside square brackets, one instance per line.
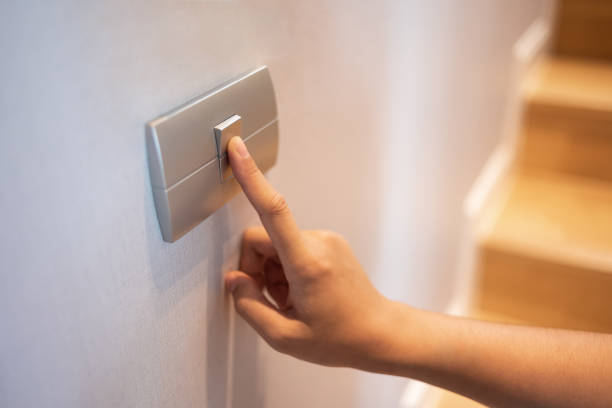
[232, 370]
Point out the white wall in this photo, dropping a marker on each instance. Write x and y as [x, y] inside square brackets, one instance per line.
[388, 110]
[418, 91]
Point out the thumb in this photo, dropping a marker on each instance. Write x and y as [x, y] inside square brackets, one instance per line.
[252, 305]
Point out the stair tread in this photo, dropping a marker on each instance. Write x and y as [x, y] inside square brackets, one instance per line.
[562, 218]
[575, 82]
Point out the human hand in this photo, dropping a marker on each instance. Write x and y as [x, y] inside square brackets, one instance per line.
[327, 311]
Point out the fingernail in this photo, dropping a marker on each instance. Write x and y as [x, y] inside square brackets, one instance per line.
[241, 148]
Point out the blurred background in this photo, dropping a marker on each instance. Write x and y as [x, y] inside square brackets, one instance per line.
[462, 147]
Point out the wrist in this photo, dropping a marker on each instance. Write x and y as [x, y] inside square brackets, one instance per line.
[396, 344]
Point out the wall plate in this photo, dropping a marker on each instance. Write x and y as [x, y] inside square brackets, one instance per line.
[189, 175]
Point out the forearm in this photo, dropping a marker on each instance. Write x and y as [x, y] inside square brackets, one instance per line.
[499, 365]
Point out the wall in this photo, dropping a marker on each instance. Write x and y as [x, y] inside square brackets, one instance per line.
[97, 311]
[422, 88]
[388, 110]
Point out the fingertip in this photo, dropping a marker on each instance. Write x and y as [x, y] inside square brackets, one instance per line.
[243, 166]
[231, 280]
[237, 148]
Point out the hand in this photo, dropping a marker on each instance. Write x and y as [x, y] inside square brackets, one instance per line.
[326, 310]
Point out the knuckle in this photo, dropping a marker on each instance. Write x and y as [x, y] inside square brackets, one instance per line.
[277, 205]
[253, 235]
[323, 267]
[249, 234]
[301, 263]
[317, 268]
[332, 237]
[318, 259]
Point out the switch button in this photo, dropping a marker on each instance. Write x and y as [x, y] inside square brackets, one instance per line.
[224, 131]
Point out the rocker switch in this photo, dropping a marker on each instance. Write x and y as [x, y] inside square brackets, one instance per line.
[224, 131]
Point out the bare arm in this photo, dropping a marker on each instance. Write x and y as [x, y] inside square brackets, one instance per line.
[502, 365]
[326, 311]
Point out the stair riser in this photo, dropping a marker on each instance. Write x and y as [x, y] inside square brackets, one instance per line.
[568, 140]
[584, 28]
[543, 292]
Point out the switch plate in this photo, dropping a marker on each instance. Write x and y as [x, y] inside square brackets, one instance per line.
[189, 171]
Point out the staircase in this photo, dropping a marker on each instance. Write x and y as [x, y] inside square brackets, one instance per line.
[584, 29]
[546, 259]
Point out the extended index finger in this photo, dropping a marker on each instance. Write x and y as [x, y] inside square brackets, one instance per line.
[269, 203]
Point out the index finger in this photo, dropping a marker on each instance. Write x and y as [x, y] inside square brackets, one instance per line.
[269, 204]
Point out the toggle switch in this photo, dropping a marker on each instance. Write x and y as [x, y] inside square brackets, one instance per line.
[224, 131]
[187, 149]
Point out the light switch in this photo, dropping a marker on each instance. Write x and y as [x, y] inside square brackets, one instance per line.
[224, 131]
[187, 149]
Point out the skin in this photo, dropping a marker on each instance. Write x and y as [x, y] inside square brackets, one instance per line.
[326, 310]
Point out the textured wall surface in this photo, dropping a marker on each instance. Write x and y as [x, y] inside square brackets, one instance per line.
[388, 110]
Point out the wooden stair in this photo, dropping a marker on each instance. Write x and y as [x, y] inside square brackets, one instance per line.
[584, 29]
[546, 260]
[568, 120]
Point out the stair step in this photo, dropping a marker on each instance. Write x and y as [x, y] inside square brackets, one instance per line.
[548, 258]
[568, 120]
[584, 28]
